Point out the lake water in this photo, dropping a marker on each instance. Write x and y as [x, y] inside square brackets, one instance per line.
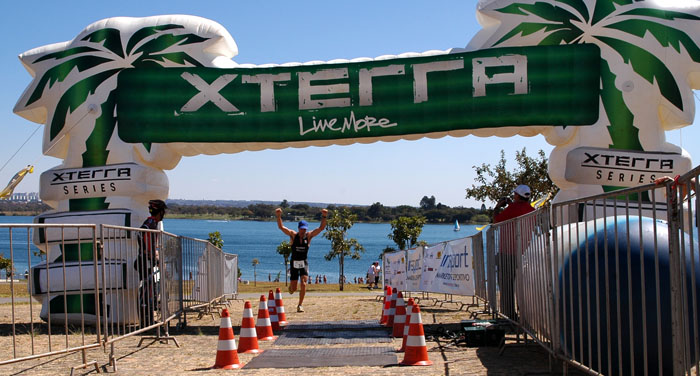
[253, 239]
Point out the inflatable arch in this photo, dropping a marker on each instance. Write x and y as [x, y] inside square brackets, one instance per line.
[129, 97]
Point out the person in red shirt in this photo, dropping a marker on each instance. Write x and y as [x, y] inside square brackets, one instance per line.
[507, 257]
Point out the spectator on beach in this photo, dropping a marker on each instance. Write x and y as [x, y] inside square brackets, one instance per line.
[684, 187]
[147, 260]
[370, 275]
[377, 273]
[325, 281]
[300, 241]
[507, 258]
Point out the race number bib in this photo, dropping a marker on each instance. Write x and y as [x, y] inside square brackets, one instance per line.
[298, 264]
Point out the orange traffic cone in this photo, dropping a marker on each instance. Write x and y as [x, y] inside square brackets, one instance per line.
[281, 315]
[409, 314]
[226, 355]
[263, 327]
[392, 309]
[248, 339]
[416, 353]
[399, 317]
[273, 311]
[387, 305]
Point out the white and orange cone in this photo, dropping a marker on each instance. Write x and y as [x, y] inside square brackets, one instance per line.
[272, 309]
[409, 314]
[399, 317]
[392, 309]
[387, 305]
[281, 315]
[226, 354]
[416, 353]
[248, 339]
[263, 327]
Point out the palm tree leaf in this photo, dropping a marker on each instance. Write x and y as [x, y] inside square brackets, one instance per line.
[603, 8]
[556, 38]
[546, 11]
[666, 35]
[165, 41]
[622, 131]
[111, 37]
[177, 57]
[146, 32]
[74, 97]
[96, 152]
[65, 53]
[579, 5]
[61, 71]
[648, 66]
[660, 13]
[527, 28]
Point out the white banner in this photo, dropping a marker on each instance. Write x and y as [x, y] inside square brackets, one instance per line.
[431, 262]
[414, 268]
[395, 270]
[230, 273]
[455, 273]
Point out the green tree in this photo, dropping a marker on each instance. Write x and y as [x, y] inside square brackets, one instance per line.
[285, 249]
[493, 183]
[405, 232]
[375, 211]
[339, 222]
[284, 204]
[256, 262]
[5, 264]
[427, 203]
[216, 240]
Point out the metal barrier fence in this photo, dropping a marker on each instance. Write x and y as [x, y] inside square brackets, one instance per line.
[70, 302]
[125, 282]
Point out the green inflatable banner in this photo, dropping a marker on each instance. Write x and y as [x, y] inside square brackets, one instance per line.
[511, 86]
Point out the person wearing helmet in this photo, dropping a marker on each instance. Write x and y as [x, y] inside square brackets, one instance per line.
[299, 268]
[507, 257]
[147, 260]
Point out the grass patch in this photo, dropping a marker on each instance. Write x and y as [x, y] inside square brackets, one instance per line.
[20, 289]
[264, 287]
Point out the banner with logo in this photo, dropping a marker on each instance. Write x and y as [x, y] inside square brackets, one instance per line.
[395, 270]
[431, 261]
[455, 274]
[414, 268]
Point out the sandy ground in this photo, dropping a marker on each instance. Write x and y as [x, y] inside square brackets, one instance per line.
[198, 342]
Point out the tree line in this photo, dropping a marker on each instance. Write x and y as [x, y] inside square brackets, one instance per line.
[434, 213]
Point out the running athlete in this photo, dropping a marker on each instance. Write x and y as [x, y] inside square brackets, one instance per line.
[299, 268]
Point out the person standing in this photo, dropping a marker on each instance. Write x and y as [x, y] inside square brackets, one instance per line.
[299, 269]
[370, 276]
[507, 258]
[377, 273]
[147, 261]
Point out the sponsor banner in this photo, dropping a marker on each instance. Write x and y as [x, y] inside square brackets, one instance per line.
[126, 179]
[395, 270]
[414, 268]
[315, 104]
[622, 168]
[431, 262]
[230, 273]
[455, 273]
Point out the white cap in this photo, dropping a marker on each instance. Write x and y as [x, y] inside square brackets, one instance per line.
[522, 190]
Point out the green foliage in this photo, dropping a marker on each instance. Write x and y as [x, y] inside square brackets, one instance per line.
[427, 203]
[406, 230]
[256, 262]
[5, 264]
[285, 249]
[339, 222]
[215, 239]
[493, 183]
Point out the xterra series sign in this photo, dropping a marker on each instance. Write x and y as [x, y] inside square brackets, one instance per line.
[514, 86]
[622, 168]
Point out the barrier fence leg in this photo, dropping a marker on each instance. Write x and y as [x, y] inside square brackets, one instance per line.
[85, 364]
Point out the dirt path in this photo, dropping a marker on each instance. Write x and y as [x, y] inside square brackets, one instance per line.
[199, 341]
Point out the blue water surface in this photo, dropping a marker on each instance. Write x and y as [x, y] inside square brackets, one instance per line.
[254, 239]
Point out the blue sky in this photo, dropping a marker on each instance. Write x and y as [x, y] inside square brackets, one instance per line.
[278, 32]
